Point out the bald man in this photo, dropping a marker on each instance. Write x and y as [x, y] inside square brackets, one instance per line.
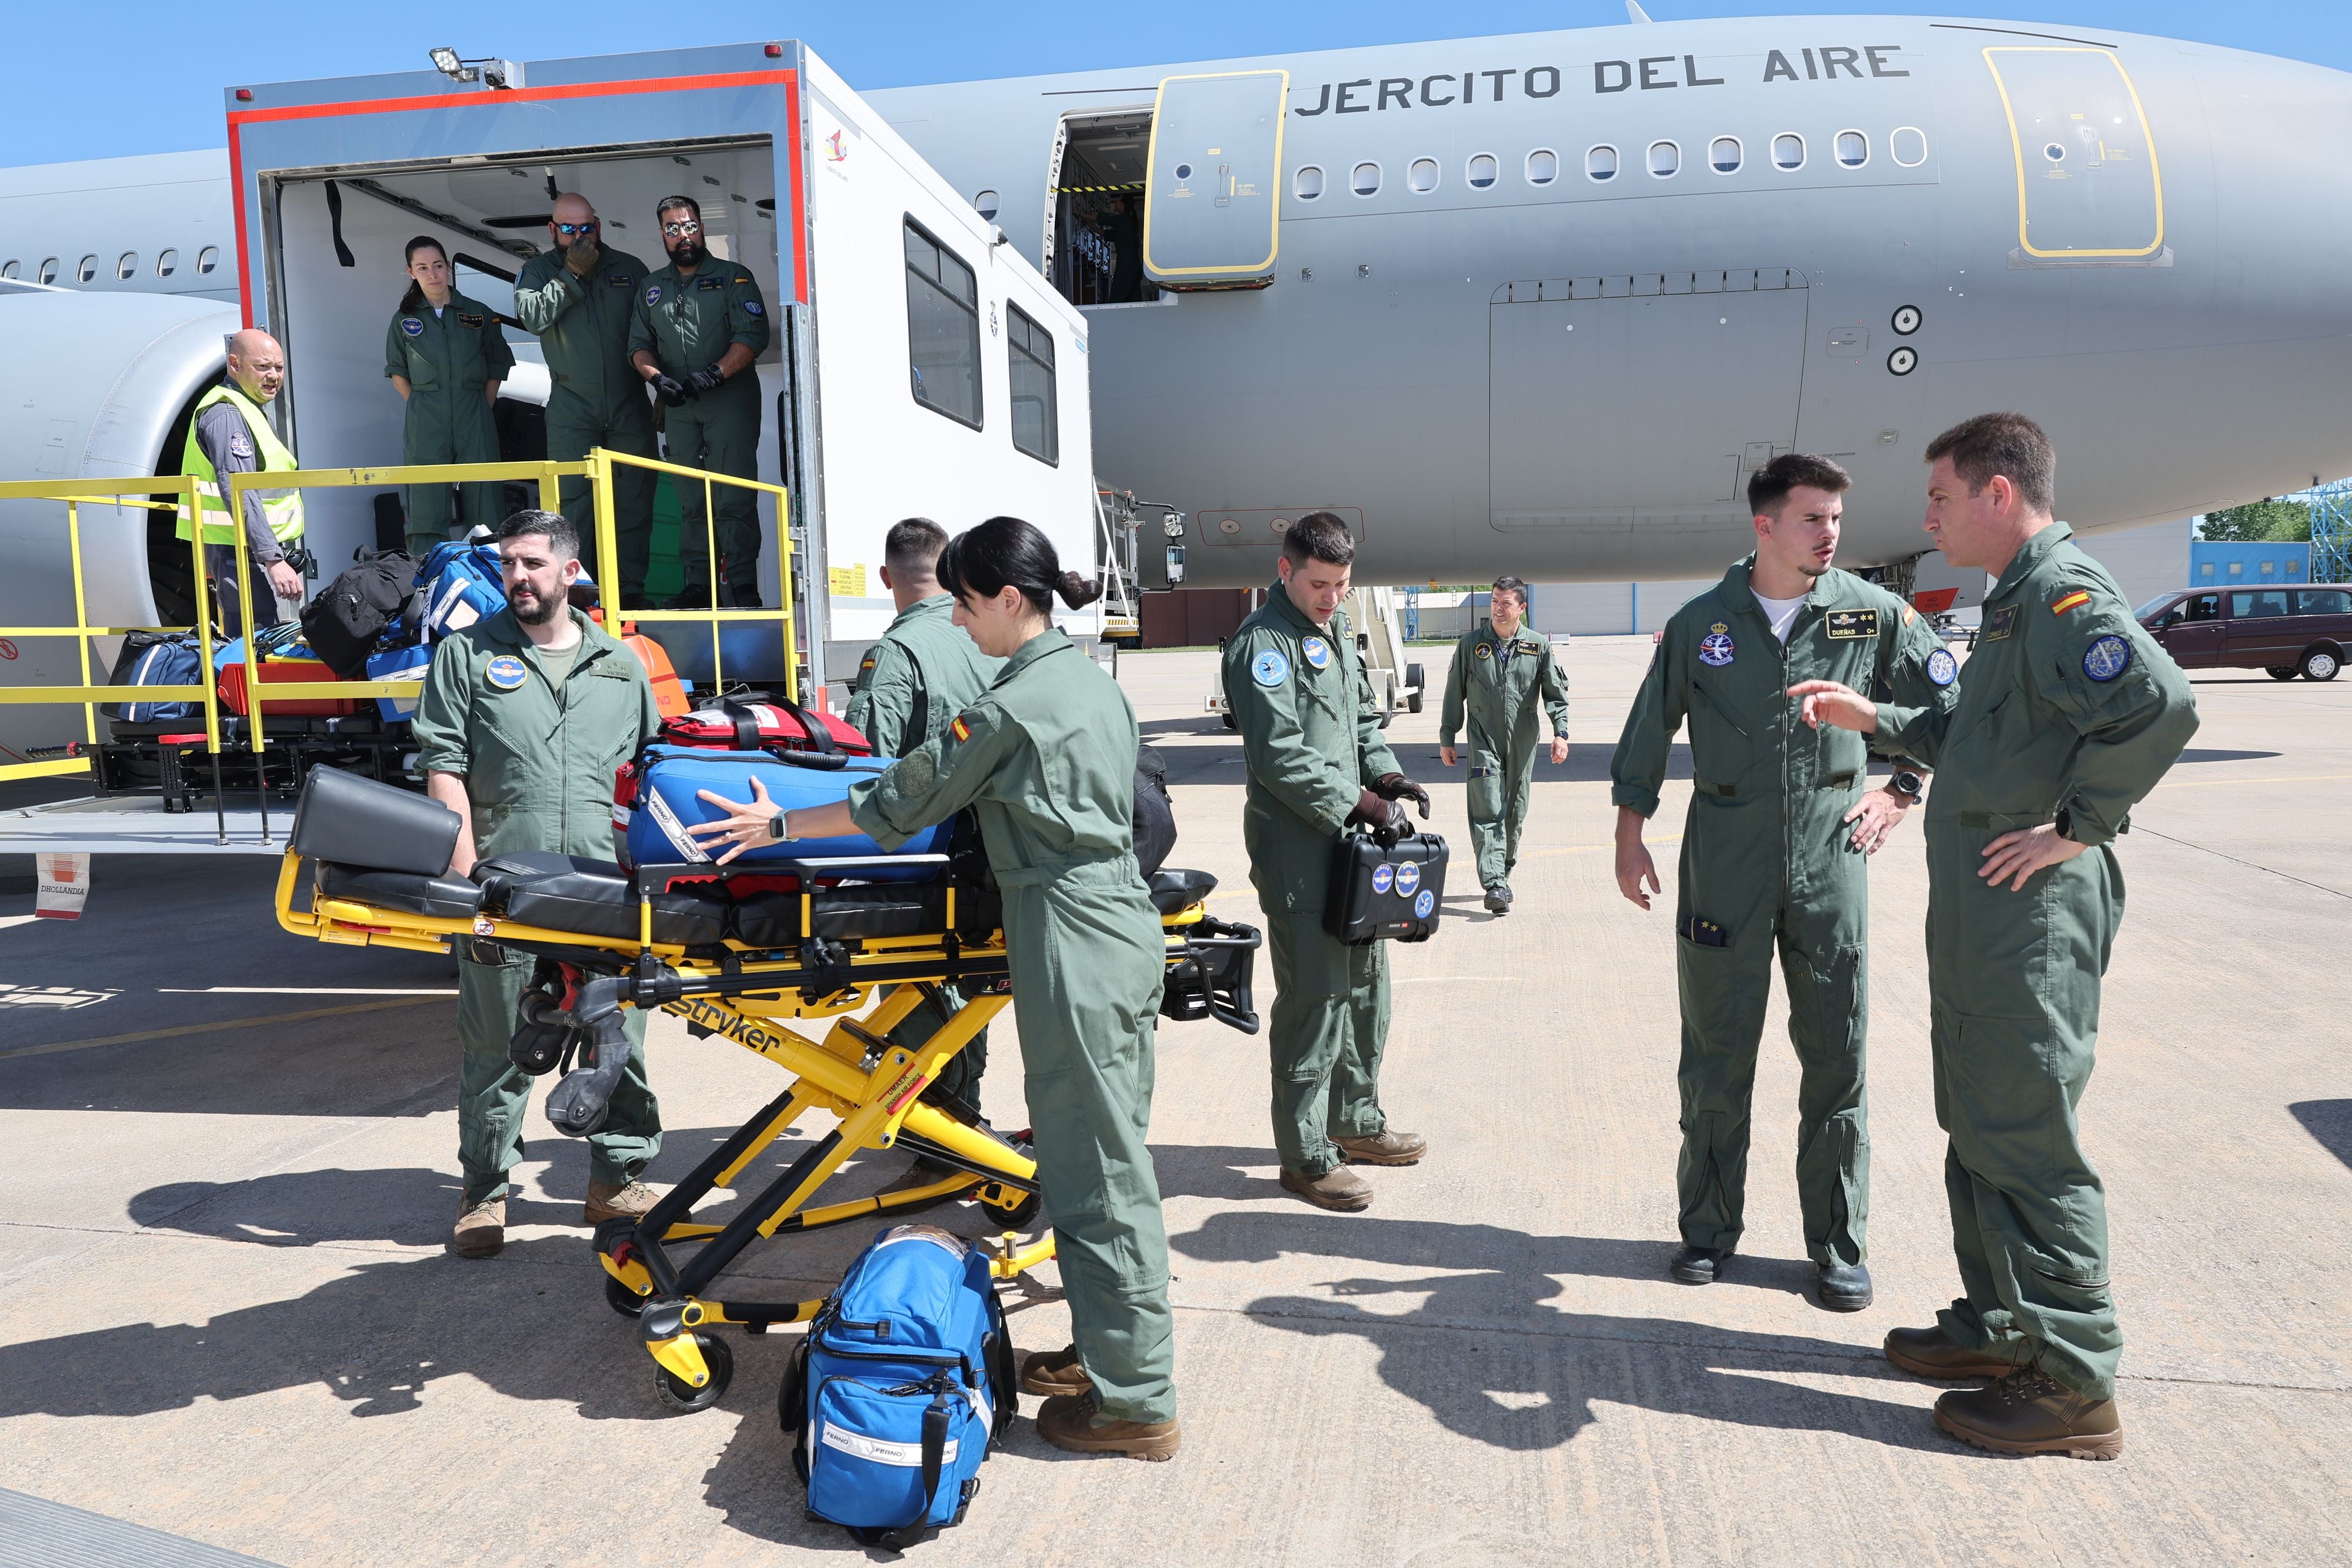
[231, 435]
[578, 297]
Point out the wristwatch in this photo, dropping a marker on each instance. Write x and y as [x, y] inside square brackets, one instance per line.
[1906, 782]
[776, 825]
[2064, 823]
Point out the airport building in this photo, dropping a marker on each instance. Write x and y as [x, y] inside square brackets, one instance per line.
[2226, 563]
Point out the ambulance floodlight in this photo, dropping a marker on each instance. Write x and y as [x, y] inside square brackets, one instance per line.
[445, 61]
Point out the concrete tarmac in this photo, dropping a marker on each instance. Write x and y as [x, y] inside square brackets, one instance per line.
[229, 1313]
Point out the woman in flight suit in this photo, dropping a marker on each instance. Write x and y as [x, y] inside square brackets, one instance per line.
[1046, 757]
[445, 356]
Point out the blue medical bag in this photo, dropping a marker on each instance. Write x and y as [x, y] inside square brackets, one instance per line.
[408, 663]
[662, 799]
[460, 575]
[900, 1387]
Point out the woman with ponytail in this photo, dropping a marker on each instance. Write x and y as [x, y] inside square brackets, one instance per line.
[1046, 757]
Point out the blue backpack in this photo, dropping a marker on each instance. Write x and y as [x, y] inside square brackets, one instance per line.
[901, 1385]
[459, 574]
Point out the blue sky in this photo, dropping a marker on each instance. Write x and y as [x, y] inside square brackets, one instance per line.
[94, 81]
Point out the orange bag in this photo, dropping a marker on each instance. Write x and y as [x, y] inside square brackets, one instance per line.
[670, 691]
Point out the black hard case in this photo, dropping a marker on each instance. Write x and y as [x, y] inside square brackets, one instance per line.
[1353, 912]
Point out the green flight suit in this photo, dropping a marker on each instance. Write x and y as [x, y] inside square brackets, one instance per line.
[687, 323]
[1311, 742]
[450, 357]
[597, 398]
[1046, 757]
[1768, 862]
[910, 687]
[1495, 681]
[2068, 713]
[538, 764]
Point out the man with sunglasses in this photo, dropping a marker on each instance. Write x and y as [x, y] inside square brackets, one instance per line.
[581, 299]
[699, 324]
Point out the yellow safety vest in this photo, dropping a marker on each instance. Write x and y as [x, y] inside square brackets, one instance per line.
[282, 508]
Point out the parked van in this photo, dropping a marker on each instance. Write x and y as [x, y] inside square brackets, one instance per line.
[2286, 631]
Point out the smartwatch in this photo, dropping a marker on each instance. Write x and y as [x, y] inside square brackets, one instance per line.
[2064, 823]
[1906, 782]
[776, 825]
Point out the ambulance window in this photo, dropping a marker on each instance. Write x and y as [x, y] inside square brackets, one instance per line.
[207, 258]
[1853, 149]
[1029, 355]
[88, 270]
[942, 329]
[1909, 145]
[1482, 171]
[1543, 166]
[1367, 180]
[8, 268]
[1307, 183]
[167, 264]
[126, 264]
[1665, 160]
[1601, 163]
[49, 270]
[985, 205]
[1422, 175]
[1788, 150]
[1725, 154]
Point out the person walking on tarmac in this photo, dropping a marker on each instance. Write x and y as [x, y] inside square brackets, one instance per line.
[446, 355]
[699, 326]
[1499, 670]
[910, 687]
[522, 720]
[1317, 767]
[1774, 854]
[231, 435]
[582, 299]
[2069, 713]
[1046, 757]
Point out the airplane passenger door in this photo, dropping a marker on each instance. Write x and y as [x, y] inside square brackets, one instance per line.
[1210, 193]
[2088, 187]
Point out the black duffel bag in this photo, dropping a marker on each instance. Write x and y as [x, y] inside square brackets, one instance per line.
[1155, 814]
[343, 624]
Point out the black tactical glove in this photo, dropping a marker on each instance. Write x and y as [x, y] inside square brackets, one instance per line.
[672, 391]
[710, 378]
[1384, 819]
[1392, 786]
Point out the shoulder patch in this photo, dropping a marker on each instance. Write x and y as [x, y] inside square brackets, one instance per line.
[1848, 625]
[2073, 601]
[240, 445]
[2106, 657]
[751, 308]
[412, 326]
[1269, 668]
[1909, 614]
[1942, 668]
[960, 730]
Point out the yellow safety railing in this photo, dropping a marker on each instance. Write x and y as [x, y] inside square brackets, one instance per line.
[76, 494]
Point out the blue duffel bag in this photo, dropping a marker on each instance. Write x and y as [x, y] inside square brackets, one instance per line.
[902, 1384]
[661, 797]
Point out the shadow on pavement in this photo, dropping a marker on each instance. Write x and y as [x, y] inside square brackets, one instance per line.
[2328, 1120]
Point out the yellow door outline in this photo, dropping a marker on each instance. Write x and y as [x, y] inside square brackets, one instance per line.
[1151, 175]
[2017, 150]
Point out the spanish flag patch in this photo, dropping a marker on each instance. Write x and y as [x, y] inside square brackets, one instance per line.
[960, 730]
[2079, 597]
[1909, 614]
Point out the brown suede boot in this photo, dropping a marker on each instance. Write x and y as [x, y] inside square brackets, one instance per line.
[1930, 1354]
[2028, 1412]
[631, 1200]
[481, 1230]
[1386, 1147]
[1070, 1421]
[1052, 1373]
[1338, 1189]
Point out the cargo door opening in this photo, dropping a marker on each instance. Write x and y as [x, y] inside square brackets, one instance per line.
[1213, 181]
[2089, 188]
[1094, 235]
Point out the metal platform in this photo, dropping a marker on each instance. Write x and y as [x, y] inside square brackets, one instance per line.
[131, 824]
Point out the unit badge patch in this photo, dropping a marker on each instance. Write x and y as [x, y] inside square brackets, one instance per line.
[1408, 879]
[412, 326]
[653, 295]
[1485, 650]
[1942, 668]
[1316, 651]
[240, 445]
[1716, 647]
[2002, 623]
[1384, 878]
[2106, 657]
[1424, 904]
[506, 672]
[1269, 668]
[751, 308]
[471, 319]
[1848, 625]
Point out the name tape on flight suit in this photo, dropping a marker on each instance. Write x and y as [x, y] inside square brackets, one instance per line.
[1942, 668]
[2003, 622]
[1848, 625]
[471, 320]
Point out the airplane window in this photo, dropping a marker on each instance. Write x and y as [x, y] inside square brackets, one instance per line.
[1788, 150]
[1029, 357]
[49, 270]
[88, 270]
[1422, 175]
[1307, 183]
[1601, 163]
[1367, 179]
[8, 268]
[1853, 149]
[942, 329]
[1725, 154]
[1482, 171]
[126, 264]
[985, 205]
[207, 258]
[1543, 166]
[167, 264]
[1909, 145]
[1665, 158]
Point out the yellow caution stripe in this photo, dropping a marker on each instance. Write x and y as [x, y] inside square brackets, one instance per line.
[2079, 597]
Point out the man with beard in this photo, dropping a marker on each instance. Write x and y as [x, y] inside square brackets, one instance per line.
[523, 718]
[699, 324]
[581, 299]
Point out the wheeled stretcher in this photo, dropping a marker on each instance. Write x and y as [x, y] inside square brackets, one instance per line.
[695, 941]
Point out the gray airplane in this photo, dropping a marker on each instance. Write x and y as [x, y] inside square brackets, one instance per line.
[1539, 302]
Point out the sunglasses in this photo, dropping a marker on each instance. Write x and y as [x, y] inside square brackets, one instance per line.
[675, 229]
[570, 229]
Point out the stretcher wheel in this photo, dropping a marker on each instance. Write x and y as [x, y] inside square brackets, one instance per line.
[621, 1298]
[1018, 1217]
[684, 1396]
